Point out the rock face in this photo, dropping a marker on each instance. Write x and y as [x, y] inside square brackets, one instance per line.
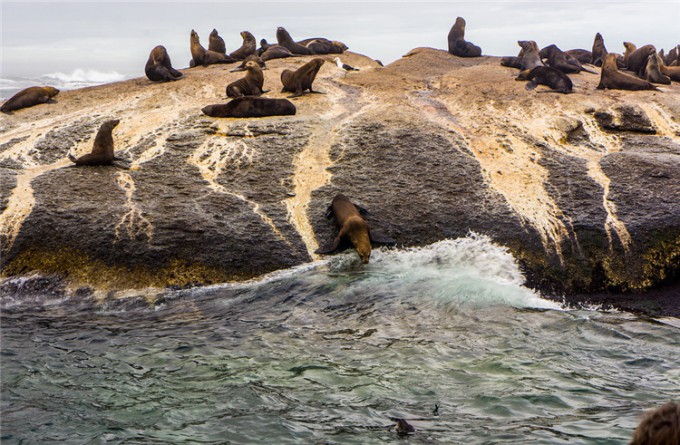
[584, 188]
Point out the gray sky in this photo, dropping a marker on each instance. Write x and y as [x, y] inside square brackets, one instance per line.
[48, 37]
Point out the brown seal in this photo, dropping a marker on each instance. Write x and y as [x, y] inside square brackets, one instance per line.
[251, 85]
[287, 41]
[637, 60]
[251, 58]
[671, 71]
[300, 80]
[248, 47]
[659, 427]
[102, 149]
[216, 43]
[275, 52]
[530, 55]
[551, 77]
[458, 46]
[29, 97]
[612, 78]
[599, 51]
[653, 70]
[582, 55]
[325, 46]
[201, 56]
[249, 106]
[353, 229]
[159, 68]
[558, 59]
[630, 48]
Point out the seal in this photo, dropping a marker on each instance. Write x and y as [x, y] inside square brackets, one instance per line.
[599, 51]
[582, 55]
[29, 97]
[630, 48]
[251, 85]
[276, 52]
[325, 46]
[559, 60]
[659, 426]
[612, 78]
[300, 80]
[248, 47]
[250, 106]
[216, 43]
[637, 60]
[287, 41]
[251, 58]
[159, 68]
[102, 149]
[458, 46]
[354, 229]
[551, 77]
[530, 55]
[201, 56]
[653, 71]
[671, 71]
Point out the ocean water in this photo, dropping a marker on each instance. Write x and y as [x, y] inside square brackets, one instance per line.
[78, 78]
[444, 336]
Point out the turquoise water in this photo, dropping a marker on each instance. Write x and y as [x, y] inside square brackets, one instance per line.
[330, 353]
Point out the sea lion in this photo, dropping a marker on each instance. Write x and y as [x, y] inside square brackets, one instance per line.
[630, 48]
[29, 97]
[612, 78]
[102, 149]
[201, 56]
[458, 46]
[551, 77]
[276, 52]
[300, 80]
[558, 59]
[582, 55]
[287, 41]
[637, 60]
[652, 70]
[250, 106]
[251, 85]
[216, 43]
[671, 71]
[673, 56]
[264, 45]
[599, 51]
[353, 229]
[660, 426]
[325, 46]
[530, 55]
[251, 58]
[159, 68]
[248, 47]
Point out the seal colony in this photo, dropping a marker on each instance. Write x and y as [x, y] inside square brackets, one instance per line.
[548, 66]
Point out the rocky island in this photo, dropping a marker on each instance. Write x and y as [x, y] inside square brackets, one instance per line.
[583, 189]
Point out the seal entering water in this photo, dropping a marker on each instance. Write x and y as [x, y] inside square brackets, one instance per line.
[353, 229]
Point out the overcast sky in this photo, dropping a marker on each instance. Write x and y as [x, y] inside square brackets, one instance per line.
[55, 36]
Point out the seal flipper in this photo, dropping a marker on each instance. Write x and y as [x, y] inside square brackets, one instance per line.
[380, 238]
[362, 210]
[531, 85]
[329, 247]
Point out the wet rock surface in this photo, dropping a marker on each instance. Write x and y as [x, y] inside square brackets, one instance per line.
[584, 189]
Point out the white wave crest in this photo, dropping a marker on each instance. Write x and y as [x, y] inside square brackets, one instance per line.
[86, 76]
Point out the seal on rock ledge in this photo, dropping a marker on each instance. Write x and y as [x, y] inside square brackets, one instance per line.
[102, 149]
[300, 80]
[251, 85]
[159, 68]
[250, 106]
[29, 97]
[353, 229]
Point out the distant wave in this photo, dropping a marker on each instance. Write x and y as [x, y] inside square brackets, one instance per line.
[79, 78]
[80, 75]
